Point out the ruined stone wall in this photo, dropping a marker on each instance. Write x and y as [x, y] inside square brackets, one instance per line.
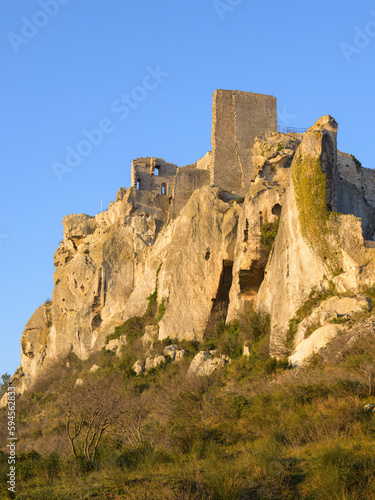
[186, 181]
[355, 192]
[153, 175]
[237, 118]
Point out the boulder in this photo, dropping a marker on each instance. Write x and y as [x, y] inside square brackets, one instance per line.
[115, 344]
[330, 310]
[153, 362]
[138, 367]
[204, 364]
[246, 349]
[150, 336]
[317, 340]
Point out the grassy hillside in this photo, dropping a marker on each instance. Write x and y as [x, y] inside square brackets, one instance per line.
[255, 429]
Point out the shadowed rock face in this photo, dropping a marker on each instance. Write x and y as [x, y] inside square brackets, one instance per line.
[209, 246]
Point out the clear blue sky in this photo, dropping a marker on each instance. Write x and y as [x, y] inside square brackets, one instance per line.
[67, 65]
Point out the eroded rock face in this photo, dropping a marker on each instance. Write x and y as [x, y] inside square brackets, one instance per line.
[210, 246]
[34, 343]
[355, 192]
[98, 263]
[312, 247]
[274, 152]
[262, 207]
[330, 310]
[196, 270]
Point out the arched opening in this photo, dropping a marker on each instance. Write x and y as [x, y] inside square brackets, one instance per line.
[164, 188]
[157, 170]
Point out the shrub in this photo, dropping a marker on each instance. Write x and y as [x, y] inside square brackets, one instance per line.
[273, 365]
[343, 473]
[132, 328]
[4, 384]
[161, 310]
[268, 233]
[152, 303]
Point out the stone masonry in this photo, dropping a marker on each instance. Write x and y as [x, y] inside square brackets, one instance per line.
[153, 174]
[237, 118]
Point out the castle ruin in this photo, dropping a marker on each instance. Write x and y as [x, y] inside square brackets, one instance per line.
[237, 118]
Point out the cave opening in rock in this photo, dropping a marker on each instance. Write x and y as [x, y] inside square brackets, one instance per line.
[221, 302]
[251, 279]
[276, 209]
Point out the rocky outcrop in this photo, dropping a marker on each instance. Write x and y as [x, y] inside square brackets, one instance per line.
[34, 343]
[334, 309]
[273, 153]
[324, 324]
[116, 344]
[205, 363]
[314, 343]
[282, 219]
[174, 352]
[98, 263]
[196, 272]
[313, 246]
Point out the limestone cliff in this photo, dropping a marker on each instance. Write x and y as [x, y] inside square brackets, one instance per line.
[193, 246]
[314, 245]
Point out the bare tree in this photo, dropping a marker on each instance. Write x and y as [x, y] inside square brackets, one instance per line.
[135, 411]
[90, 410]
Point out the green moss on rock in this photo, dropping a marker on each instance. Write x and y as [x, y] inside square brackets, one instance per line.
[317, 226]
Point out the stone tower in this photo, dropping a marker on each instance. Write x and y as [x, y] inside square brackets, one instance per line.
[237, 118]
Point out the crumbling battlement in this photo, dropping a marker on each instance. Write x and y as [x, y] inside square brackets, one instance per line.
[153, 174]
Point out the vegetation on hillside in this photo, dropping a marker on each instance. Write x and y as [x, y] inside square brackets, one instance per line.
[255, 429]
[316, 222]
